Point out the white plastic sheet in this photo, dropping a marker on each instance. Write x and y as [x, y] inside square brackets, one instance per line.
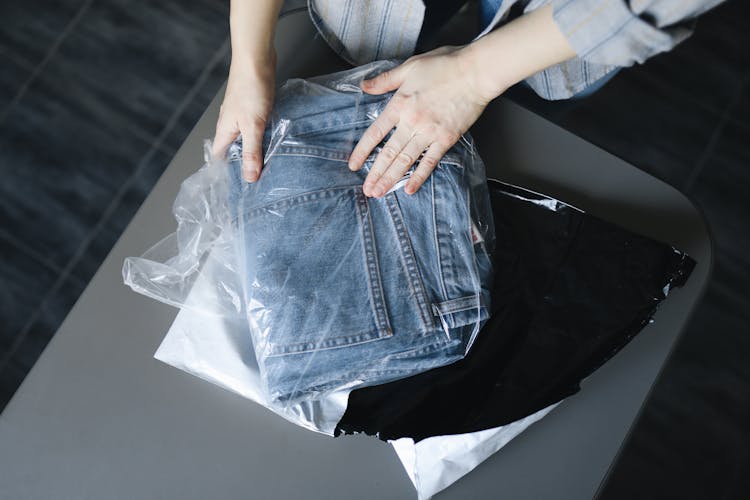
[210, 347]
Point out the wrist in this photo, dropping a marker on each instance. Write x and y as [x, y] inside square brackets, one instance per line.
[252, 26]
[485, 83]
[258, 63]
[515, 51]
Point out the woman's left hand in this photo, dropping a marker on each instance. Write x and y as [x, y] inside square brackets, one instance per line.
[439, 97]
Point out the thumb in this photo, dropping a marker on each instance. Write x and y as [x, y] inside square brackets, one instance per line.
[384, 82]
[225, 134]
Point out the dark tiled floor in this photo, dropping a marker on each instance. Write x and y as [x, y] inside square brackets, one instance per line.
[32, 27]
[15, 72]
[96, 95]
[683, 117]
[96, 98]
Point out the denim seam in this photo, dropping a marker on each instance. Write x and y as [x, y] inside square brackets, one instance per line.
[342, 160]
[314, 151]
[460, 304]
[363, 337]
[445, 246]
[335, 119]
[349, 376]
[407, 253]
[331, 154]
[373, 269]
[421, 351]
[338, 155]
[435, 236]
[328, 384]
[301, 198]
[332, 128]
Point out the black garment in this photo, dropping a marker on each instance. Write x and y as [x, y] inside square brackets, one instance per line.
[570, 291]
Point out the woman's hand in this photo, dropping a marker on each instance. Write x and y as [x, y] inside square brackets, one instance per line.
[441, 93]
[247, 103]
[439, 97]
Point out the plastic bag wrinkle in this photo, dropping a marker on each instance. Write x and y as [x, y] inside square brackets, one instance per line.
[339, 290]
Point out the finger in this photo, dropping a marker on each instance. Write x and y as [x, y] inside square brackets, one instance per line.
[252, 146]
[401, 164]
[426, 165]
[225, 135]
[385, 81]
[400, 138]
[375, 133]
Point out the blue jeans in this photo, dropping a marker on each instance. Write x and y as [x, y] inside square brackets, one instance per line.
[342, 290]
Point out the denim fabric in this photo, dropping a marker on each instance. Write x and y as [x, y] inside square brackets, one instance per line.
[345, 290]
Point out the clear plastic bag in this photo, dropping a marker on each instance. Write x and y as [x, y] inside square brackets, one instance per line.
[202, 247]
[339, 290]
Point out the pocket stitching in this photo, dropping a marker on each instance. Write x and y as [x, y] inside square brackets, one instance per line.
[377, 299]
[410, 263]
[380, 314]
[297, 199]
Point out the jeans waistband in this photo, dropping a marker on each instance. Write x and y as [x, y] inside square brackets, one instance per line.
[343, 114]
[323, 115]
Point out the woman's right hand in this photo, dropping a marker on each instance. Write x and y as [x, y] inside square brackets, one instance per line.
[247, 103]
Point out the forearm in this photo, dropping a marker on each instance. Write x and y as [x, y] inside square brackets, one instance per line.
[252, 24]
[517, 50]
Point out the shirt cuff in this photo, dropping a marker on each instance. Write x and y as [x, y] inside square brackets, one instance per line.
[608, 32]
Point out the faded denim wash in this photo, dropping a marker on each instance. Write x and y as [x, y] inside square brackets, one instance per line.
[342, 290]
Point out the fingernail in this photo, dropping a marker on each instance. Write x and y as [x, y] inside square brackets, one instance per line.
[249, 174]
[409, 188]
[378, 191]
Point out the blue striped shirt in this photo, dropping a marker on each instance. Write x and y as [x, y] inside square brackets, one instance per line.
[606, 34]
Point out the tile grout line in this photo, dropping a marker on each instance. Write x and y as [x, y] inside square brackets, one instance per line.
[67, 270]
[16, 59]
[713, 140]
[652, 79]
[727, 295]
[45, 60]
[41, 259]
[136, 131]
[735, 475]
[745, 86]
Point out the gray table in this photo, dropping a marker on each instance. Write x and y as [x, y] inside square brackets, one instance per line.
[99, 418]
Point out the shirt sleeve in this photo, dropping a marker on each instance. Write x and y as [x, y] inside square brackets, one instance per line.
[624, 32]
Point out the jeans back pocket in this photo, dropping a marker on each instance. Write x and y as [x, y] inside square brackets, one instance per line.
[311, 271]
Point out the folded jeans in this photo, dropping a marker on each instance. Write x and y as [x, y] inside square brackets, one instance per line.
[343, 290]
